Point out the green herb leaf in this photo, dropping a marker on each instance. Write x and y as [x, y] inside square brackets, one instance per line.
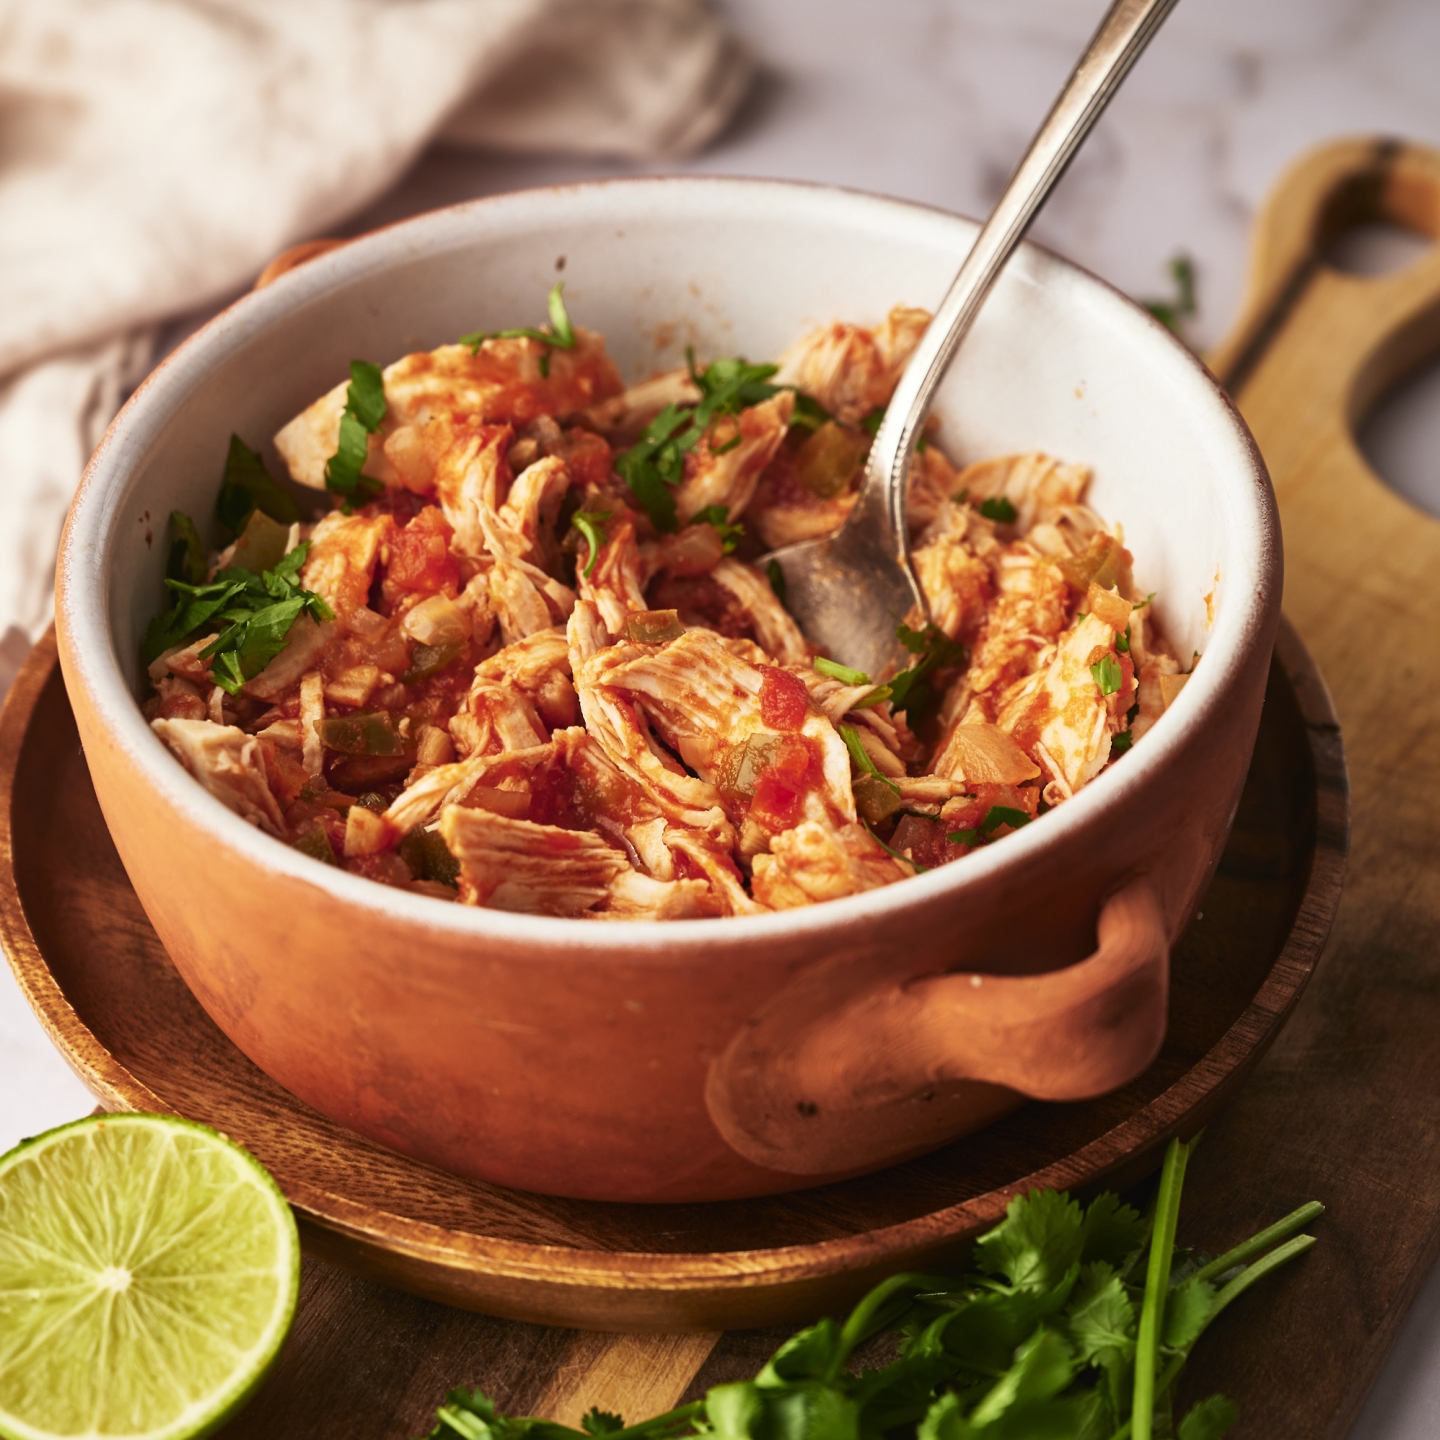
[842, 673]
[591, 524]
[861, 756]
[910, 688]
[719, 517]
[1174, 312]
[560, 335]
[776, 576]
[656, 461]
[1100, 1318]
[1187, 1311]
[809, 413]
[596, 1421]
[1120, 743]
[185, 558]
[365, 397]
[247, 486]
[364, 412]
[870, 423]
[1107, 674]
[1037, 1242]
[1209, 1420]
[998, 815]
[998, 508]
[256, 613]
[1112, 1232]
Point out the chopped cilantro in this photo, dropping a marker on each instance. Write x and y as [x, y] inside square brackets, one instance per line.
[809, 413]
[247, 486]
[253, 614]
[185, 560]
[995, 817]
[719, 517]
[591, 524]
[843, 673]
[915, 865]
[1120, 743]
[1122, 642]
[364, 411]
[936, 651]
[998, 508]
[655, 464]
[861, 756]
[871, 424]
[560, 335]
[776, 576]
[1173, 313]
[1141, 604]
[1107, 674]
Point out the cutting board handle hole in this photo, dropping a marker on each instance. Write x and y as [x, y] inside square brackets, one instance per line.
[1400, 438]
[1374, 247]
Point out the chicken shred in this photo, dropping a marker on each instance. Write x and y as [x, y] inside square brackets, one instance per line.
[619, 719]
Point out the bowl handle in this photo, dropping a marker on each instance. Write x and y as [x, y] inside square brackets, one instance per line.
[809, 1087]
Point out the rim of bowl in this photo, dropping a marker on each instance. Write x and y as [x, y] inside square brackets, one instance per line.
[90, 532]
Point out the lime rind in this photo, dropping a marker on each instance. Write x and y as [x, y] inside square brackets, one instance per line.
[149, 1272]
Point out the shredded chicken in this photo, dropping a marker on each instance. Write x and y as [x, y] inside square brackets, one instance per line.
[227, 762]
[613, 717]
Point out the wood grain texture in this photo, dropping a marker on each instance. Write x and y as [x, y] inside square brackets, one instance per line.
[101, 982]
[1346, 1108]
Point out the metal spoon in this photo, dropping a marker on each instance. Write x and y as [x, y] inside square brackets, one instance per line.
[850, 590]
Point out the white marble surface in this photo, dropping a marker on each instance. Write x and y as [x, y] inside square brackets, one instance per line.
[933, 101]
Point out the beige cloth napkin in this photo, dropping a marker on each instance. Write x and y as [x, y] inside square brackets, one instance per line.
[154, 154]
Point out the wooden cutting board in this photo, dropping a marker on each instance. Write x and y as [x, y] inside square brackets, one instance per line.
[1345, 1109]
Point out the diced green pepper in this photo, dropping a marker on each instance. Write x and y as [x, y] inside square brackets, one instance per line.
[428, 660]
[654, 627]
[428, 857]
[827, 461]
[371, 733]
[316, 844]
[876, 798]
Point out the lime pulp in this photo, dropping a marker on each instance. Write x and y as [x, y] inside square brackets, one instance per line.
[149, 1269]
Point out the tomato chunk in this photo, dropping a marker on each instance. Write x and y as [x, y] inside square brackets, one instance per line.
[420, 560]
[780, 789]
[784, 700]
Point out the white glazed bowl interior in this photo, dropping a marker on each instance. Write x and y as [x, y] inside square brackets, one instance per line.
[1058, 362]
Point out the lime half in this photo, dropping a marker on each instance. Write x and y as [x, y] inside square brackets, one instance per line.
[148, 1276]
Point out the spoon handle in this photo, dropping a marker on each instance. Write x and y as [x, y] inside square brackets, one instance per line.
[1117, 44]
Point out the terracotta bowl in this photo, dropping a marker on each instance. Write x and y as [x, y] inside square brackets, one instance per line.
[713, 1058]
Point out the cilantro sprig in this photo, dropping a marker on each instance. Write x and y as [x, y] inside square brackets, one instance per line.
[655, 464]
[730, 532]
[364, 411]
[247, 486]
[1076, 1322]
[911, 689]
[1107, 674]
[995, 817]
[560, 335]
[253, 614]
[591, 524]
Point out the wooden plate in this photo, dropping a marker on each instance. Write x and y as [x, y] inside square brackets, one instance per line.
[105, 990]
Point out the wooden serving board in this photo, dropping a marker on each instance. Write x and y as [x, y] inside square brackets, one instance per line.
[372, 1360]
